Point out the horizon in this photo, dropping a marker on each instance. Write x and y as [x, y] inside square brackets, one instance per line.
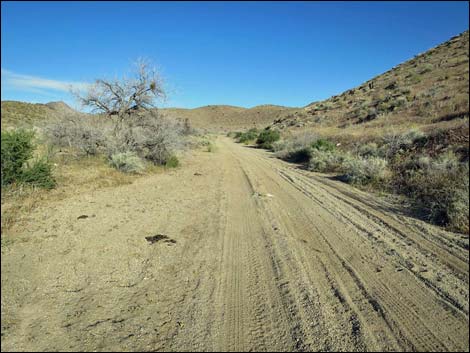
[218, 53]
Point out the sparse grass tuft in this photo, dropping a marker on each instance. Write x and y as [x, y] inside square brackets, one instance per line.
[172, 162]
[127, 162]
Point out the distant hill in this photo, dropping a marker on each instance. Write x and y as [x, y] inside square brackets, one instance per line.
[211, 117]
[226, 117]
[22, 114]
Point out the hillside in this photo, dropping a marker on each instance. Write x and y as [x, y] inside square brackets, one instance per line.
[22, 114]
[429, 91]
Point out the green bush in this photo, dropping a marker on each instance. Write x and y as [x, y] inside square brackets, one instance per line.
[173, 161]
[127, 162]
[248, 136]
[267, 137]
[323, 145]
[17, 148]
[39, 173]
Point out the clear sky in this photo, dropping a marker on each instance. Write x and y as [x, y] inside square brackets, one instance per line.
[237, 53]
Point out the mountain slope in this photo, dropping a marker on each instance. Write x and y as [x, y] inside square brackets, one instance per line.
[22, 114]
[430, 89]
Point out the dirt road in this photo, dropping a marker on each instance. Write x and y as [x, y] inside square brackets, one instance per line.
[260, 255]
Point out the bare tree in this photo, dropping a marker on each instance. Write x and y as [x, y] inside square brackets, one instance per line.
[129, 103]
[120, 98]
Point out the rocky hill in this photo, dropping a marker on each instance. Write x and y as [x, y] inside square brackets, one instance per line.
[22, 114]
[429, 90]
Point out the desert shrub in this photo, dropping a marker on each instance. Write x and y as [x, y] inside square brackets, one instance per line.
[458, 208]
[234, 134]
[425, 68]
[152, 137]
[78, 132]
[39, 173]
[365, 170]
[211, 147]
[327, 161]
[303, 139]
[297, 142]
[16, 148]
[172, 162]
[394, 143]
[415, 78]
[368, 150]
[302, 155]
[127, 162]
[400, 102]
[248, 136]
[298, 148]
[323, 145]
[280, 145]
[267, 137]
[439, 186]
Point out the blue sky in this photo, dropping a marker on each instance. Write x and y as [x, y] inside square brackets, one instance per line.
[237, 53]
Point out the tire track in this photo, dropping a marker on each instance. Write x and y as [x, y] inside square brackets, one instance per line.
[417, 315]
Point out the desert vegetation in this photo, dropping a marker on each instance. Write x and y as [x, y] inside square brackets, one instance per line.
[124, 132]
[20, 165]
[395, 163]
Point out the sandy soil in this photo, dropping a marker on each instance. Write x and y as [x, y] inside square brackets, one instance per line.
[260, 255]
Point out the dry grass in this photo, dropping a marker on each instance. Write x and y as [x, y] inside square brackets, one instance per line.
[74, 174]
